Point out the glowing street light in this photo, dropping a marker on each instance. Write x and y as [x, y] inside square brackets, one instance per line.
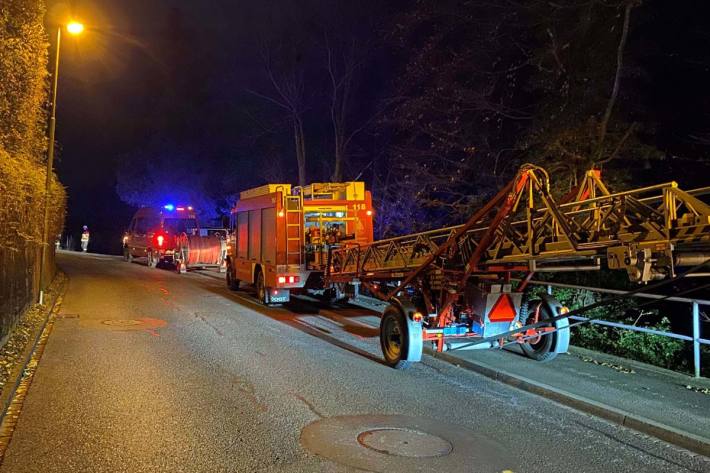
[74, 28]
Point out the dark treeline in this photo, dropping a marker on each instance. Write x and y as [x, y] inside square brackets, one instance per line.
[434, 103]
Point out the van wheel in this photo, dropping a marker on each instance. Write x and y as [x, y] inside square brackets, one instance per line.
[127, 256]
[262, 292]
[152, 260]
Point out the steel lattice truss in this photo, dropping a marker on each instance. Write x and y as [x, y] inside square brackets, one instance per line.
[523, 228]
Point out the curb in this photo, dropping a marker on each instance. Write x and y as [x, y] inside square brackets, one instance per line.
[641, 424]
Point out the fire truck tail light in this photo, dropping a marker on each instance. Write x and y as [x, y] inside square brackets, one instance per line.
[288, 279]
[281, 213]
[369, 213]
[161, 239]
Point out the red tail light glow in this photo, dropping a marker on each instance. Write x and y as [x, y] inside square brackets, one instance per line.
[161, 240]
[288, 279]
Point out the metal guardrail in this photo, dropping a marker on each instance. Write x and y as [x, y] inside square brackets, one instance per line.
[696, 303]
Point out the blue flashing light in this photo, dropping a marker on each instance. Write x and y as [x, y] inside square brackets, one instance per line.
[169, 207]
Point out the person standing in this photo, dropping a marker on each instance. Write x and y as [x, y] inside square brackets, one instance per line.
[85, 239]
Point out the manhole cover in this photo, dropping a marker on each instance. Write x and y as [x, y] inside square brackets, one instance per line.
[404, 443]
[142, 324]
[396, 443]
[122, 322]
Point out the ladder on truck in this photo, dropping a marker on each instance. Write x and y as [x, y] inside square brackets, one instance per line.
[293, 213]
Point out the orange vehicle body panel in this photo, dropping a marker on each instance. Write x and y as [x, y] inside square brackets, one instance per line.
[269, 234]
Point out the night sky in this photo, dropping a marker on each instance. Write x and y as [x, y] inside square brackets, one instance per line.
[162, 78]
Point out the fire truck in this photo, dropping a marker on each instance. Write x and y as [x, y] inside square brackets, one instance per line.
[281, 235]
[171, 234]
[465, 286]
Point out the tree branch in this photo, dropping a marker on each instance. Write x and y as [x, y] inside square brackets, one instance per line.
[604, 125]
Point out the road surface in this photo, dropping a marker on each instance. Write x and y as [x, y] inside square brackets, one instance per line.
[150, 371]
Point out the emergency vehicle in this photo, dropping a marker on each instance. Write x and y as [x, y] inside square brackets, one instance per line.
[281, 235]
[171, 234]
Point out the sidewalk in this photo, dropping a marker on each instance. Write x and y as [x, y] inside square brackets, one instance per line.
[658, 402]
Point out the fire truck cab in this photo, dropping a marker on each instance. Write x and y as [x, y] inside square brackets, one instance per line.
[281, 235]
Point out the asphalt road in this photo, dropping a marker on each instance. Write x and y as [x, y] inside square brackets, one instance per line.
[150, 371]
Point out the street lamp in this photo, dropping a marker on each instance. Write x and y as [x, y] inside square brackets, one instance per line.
[74, 28]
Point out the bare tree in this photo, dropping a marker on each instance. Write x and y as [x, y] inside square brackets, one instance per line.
[604, 125]
[288, 93]
[340, 73]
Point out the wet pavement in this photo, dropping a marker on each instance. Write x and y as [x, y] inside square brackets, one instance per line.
[150, 371]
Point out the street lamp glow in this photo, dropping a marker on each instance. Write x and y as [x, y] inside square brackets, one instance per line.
[75, 28]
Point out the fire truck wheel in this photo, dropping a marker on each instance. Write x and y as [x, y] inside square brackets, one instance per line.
[127, 256]
[232, 283]
[395, 338]
[262, 292]
[540, 349]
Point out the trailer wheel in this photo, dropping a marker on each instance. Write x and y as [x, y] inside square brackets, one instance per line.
[127, 256]
[542, 348]
[262, 292]
[400, 345]
[232, 283]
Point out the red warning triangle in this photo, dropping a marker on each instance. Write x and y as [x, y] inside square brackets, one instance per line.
[503, 310]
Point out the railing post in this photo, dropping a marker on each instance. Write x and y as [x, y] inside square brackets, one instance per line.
[549, 290]
[696, 339]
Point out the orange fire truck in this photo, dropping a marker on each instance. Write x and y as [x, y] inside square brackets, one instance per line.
[281, 235]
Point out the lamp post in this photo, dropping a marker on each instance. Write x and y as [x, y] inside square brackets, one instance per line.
[73, 28]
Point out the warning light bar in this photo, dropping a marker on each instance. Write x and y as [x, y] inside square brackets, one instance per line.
[169, 207]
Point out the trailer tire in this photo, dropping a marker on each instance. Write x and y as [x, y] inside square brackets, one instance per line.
[542, 350]
[401, 344]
